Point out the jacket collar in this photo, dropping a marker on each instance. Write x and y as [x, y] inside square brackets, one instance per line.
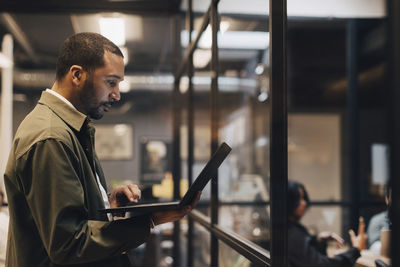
[68, 114]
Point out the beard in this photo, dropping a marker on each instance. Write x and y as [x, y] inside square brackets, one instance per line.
[93, 110]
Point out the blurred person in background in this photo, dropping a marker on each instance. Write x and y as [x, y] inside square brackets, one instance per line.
[305, 250]
[379, 222]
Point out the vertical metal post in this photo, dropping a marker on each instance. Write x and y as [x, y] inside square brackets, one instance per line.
[278, 148]
[394, 123]
[6, 104]
[189, 23]
[214, 126]
[353, 118]
[176, 159]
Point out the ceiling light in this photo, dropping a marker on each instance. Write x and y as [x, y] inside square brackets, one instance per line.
[244, 40]
[259, 69]
[263, 96]
[113, 29]
[230, 39]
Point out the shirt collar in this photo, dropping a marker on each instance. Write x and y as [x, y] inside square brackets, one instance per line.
[64, 109]
[60, 97]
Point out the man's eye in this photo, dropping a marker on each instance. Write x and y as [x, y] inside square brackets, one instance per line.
[112, 83]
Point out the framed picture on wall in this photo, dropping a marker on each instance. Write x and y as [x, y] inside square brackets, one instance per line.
[114, 141]
[155, 160]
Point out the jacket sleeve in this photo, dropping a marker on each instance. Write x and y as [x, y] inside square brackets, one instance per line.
[55, 195]
[320, 245]
[303, 253]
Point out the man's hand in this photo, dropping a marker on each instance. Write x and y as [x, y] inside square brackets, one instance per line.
[161, 217]
[359, 241]
[122, 195]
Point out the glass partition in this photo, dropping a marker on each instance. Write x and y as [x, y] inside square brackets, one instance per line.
[337, 126]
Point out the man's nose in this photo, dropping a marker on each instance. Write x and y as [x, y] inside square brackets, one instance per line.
[115, 95]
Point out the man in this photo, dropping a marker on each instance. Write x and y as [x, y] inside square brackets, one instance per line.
[54, 181]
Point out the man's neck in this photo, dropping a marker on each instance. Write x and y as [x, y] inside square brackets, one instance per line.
[63, 90]
[57, 88]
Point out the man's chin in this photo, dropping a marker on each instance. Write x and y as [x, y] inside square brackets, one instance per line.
[96, 115]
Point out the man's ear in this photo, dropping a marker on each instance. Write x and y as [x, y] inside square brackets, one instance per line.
[77, 74]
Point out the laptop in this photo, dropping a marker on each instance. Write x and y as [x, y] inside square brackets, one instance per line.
[208, 172]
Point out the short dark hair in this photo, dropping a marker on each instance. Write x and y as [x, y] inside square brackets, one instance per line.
[293, 196]
[85, 49]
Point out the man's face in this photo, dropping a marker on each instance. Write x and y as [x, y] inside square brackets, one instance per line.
[101, 88]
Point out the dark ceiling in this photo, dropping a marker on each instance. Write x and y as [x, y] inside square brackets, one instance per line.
[83, 6]
[39, 27]
[42, 26]
[316, 47]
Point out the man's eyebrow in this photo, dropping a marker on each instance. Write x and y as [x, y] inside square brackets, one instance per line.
[115, 76]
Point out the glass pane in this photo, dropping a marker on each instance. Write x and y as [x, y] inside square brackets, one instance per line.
[158, 250]
[337, 129]
[314, 159]
[150, 159]
[201, 246]
[252, 222]
[243, 110]
[229, 257]
[323, 218]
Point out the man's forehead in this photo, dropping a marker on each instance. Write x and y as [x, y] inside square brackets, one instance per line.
[113, 66]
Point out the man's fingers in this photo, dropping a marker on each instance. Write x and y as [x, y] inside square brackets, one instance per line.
[196, 200]
[124, 192]
[135, 193]
[174, 215]
[131, 192]
[169, 216]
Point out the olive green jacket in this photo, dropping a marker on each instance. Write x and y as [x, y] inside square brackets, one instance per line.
[54, 197]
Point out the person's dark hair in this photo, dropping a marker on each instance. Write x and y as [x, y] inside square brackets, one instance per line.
[293, 196]
[86, 50]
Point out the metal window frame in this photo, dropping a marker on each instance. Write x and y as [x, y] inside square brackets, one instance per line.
[353, 121]
[190, 122]
[176, 141]
[278, 136]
